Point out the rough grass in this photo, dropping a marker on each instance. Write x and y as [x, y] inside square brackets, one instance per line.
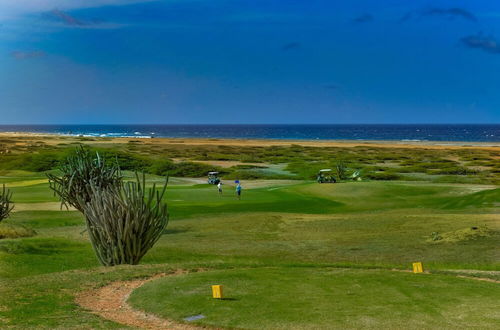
[15, 231]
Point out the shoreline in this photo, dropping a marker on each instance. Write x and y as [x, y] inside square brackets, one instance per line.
[262, 142]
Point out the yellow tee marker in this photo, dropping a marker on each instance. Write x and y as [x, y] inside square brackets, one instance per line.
[418, 267]
[217, 291]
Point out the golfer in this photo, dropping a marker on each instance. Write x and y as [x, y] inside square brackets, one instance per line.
[219, 187]
[238, 190]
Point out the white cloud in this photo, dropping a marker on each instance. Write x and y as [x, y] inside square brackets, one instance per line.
[13, 8]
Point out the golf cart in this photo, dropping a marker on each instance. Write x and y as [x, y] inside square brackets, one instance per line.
[213, 178]
[326, 176]
[356, 176]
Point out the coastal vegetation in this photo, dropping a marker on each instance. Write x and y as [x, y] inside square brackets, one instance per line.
[266, 161]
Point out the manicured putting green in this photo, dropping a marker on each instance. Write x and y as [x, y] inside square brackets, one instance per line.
[324, 298]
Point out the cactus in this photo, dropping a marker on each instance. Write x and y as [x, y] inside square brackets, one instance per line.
[81, 171]
[125, 221]
[5, 203]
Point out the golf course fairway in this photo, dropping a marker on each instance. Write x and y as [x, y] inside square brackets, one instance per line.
[290, 254]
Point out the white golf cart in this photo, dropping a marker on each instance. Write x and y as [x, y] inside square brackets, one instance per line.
[326, 176]
[213, 178]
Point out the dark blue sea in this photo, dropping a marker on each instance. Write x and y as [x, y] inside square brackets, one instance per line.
[416, 132]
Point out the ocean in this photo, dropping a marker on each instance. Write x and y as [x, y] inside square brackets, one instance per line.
[415, 132]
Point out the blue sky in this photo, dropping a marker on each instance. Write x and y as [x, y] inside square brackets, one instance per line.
[258, 61]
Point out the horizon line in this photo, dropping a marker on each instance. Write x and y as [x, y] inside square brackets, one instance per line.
[238, 124]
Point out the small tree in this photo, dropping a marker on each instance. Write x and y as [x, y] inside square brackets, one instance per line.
[80, 172]
[125, 221]
[6, 205]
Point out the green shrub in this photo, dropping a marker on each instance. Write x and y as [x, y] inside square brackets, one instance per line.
[456, 170]
[256, 174]
[33, 162]
[162, 167]
[341, 170]
[193, 169]
[127, 161]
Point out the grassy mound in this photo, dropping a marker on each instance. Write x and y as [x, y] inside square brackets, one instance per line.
[299, 298]
[462, 235]
[485, 198]
[15, 231]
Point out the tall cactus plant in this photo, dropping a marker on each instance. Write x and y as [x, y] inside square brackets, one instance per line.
[124, 222]
[81, 171]
[6, 205]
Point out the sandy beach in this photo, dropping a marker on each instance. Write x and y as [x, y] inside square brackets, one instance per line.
[21, 138]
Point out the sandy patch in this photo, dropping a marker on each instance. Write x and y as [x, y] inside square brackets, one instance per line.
[186, 181]
[45, 206]
[53, 139]
[251, 184]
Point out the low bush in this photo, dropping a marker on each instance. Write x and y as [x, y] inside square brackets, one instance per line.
[182, 169]
[127, 161]
[33, 162]
[162, 167]
[15, 231]
[193, 169]
[256, 174]
[455, 170]
[247, 167]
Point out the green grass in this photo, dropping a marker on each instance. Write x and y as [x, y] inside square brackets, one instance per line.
[33, 194]
[300, 298]
[298, 229]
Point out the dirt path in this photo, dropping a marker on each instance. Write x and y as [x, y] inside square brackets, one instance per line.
[110, 302]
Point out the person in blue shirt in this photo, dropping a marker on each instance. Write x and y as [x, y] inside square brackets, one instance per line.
[238, 190]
